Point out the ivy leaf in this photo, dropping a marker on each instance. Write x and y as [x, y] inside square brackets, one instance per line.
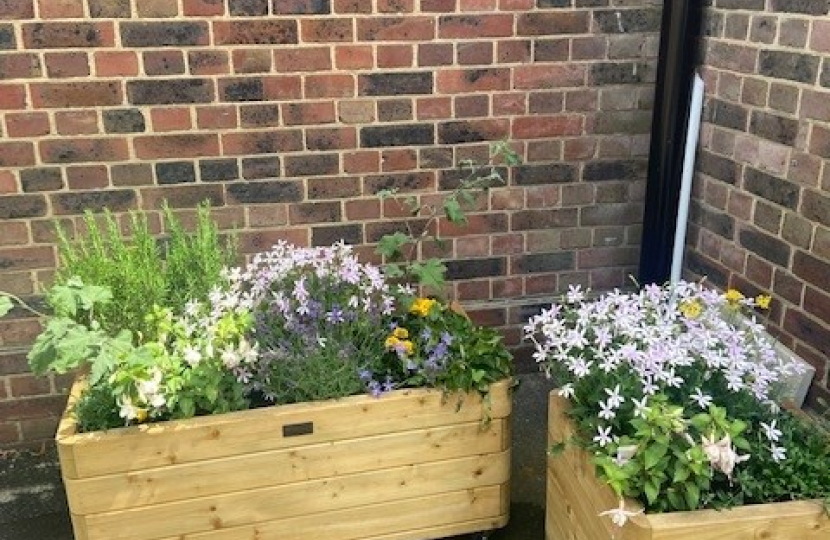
[6, 305]
[453, 211]
[390, 245]
[430, 273]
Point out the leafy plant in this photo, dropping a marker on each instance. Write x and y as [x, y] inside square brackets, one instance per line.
[401, 249]
[673, 393]
[139, 270]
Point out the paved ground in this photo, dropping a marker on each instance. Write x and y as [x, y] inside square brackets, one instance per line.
[32, 505]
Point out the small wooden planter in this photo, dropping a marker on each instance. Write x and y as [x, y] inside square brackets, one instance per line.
[575, 498]
[407, 465]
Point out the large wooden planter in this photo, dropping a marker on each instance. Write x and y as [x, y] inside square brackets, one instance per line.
[575, 498]
[408, 465]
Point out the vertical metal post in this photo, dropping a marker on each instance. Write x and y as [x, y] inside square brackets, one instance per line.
[679, 42]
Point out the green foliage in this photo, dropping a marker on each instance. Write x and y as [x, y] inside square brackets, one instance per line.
[6, 304]
[401, 249]
[141, 271]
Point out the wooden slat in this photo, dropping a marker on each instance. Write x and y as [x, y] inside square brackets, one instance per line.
[304, 498]
[441, 510]
[278, 467]
[196, 439]
[572, 485]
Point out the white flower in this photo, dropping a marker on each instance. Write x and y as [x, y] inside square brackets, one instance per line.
[619, 516]
[640, 408]
[772, 433]
[192, 355]
[779, 453]
[575, 294]
[603, 436]
[614, 397]
[567, 391]
[703, 400]
[722, 455]
[607, 411]
[624, 454]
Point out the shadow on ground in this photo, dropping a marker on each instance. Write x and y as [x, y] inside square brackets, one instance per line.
[33, 506]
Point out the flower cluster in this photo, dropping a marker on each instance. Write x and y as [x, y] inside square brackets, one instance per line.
[672, 388]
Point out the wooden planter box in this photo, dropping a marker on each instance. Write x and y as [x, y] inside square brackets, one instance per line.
[575, 498]
[407, 465]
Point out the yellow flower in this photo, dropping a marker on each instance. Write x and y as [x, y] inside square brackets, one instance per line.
[141, 415]
[408, 347]
[733, 296]
[763, 301]
[691, 309]
[422, 306]
[391, 342]
[400, 333]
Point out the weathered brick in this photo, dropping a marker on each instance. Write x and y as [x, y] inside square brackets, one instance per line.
[611, 214]
[395, 110]
[312, 165]
[408, 28]
[471, 54]
[774, 127]
[167, 92]
[329, 86]
[17, 9]
[789, 65]
[277, 191]
[473, 80]
[548, 218]
[12, 97]
[393, 84]
[123, 121]
[76, 122]
[175, 172]
[726, 114]
[164, 34]
[176, 146]
[156, 8]
[475, 26]
[623, 169]
[84, 177]
[301, 7]
[264, 115]
[76, 94]
[302, 59]
[325, 236]
[763, 29]
[170, 119]
[182, 196]
[553, 23]
[718, 167]
[771, 188]
[17, 154]
[248, 8]
[808, 7]
[544, 173]
[765, 246]
[66, 35]
[476, 268]
[323, 139]
[816, 207]
[203, 8]
[314, 212]
[22, 206]
[164, 62]
[544, 262]
[8, 41]
[717, 222]
[41, 179]
[404, 182]
[83, 150]
[548, 76]
[270, 142]
[803, 327]
[65, 65]
[628, 21]
[767, 217]
[109, 9]
[255, 32]
[396, 135]
[472, 131]
[27, 124]
[241, 89]
[538, 127]
[76, 203]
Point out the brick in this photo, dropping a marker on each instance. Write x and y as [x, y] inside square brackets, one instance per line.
[183, 196]
[63, 65]
[732, 57]
[726, 114]
[392, 84]
[608, 170]
[175, 172]
[164, 34]
[132, 174]
[473, 80]
[115, 63]
[87, 177]
[248, 8]
[16, 154]
[302, 59]
[435, 54]
[25, 258]
[394, 110]
[28, 385]
[241, 89]
[312, 165]
[123, 121]
[36, 407]
[475, 26]
[352, 6]
[169, 92]
[279, 191]
[271, 142]
[22, 206]
[208, 62]
[807, 7]
[810, 268]
[326, 236]
[19, 66]
[550, 23]
[395, 56]
[109, 9]
[41, 179]
[76, 203]
[83, 150]
[803, 327]
[17, 9]
[765, 246]
[547, 126]
[203, 8]
[334, 188]
[354, 57]
[264, 115]
[12, 96]
[301, 7]
[8, 41]
[76, 94]
[797, 231]
[176, 146]
[404, 159]
[14, 233]
[66, 35]
[767, 217]
[434, 108]
[471, 106]
[219, 117]
[396, 6]
[329, 86]
[252, 61]
[331, 139]
[548, 76]
[156, 8]
[170, 119]
[396, 135]
[794, 32]
[771, 188]
[476, 268]
[718, 167]
[472, 131]
[548, 218]
[361, 162]
[628, 21]
[408, 28]
[816, 207]
[326, 31]
[159, 63]
[404, 182]
[255, 32]
[608, 73]
[316, 212]
[788, 65]
[76, 122]
[29, 124]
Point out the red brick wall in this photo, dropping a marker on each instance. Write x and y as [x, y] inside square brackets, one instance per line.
[289, 115]
[762, 198]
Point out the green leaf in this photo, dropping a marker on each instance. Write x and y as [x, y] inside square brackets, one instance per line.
[692, 492]
[6, 304]
[680, 474]
[653, 454]
[652, 490]
[390, 244]
[430, 273]
[453, 211]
